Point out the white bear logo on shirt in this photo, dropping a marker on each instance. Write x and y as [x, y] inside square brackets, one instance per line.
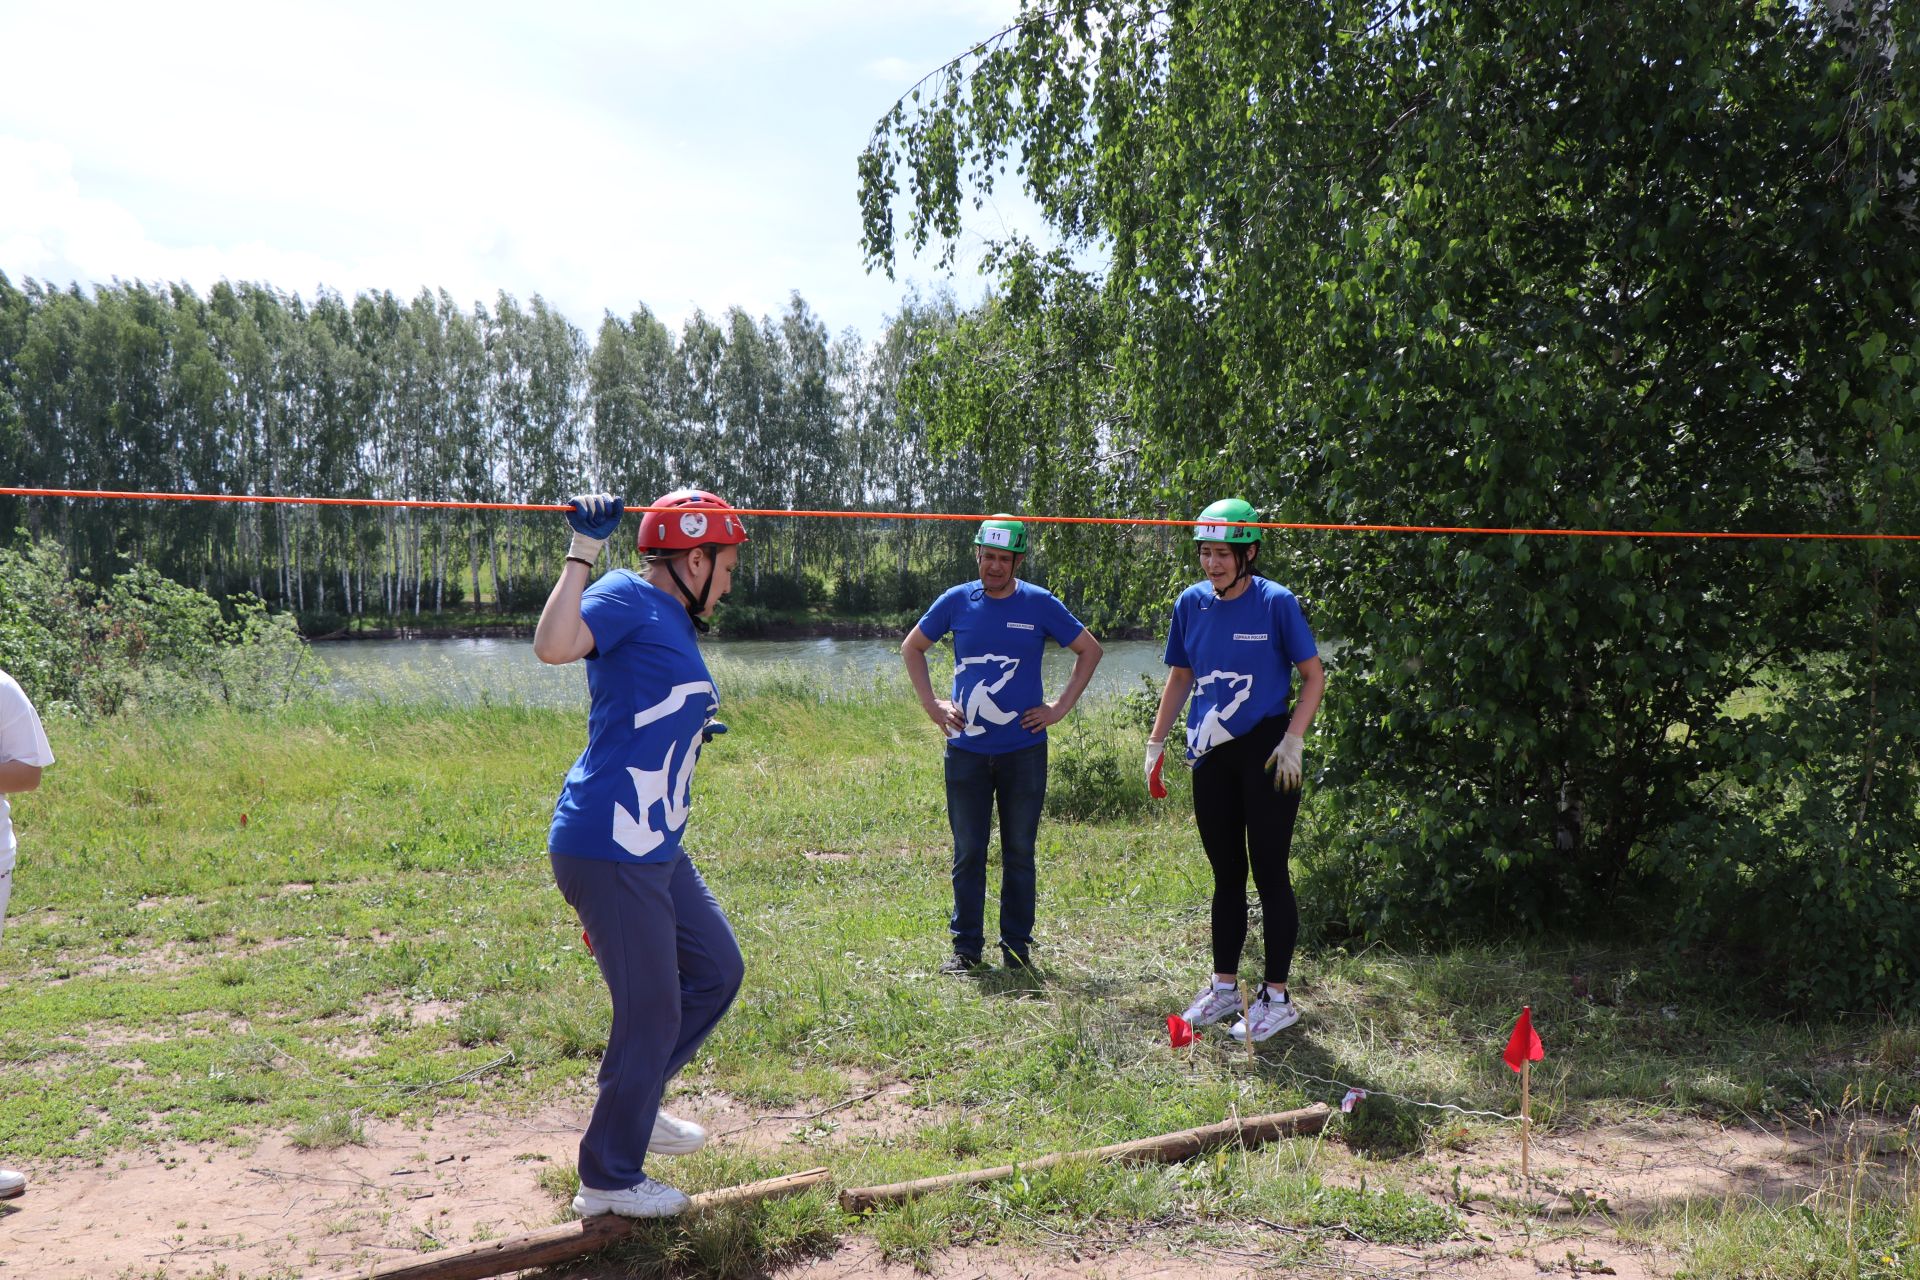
[666, 786]
[1212, 729]
[979, 704]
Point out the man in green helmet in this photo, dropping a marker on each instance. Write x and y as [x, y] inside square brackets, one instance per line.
[996, 729]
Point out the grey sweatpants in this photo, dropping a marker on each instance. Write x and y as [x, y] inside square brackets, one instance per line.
[671, 964]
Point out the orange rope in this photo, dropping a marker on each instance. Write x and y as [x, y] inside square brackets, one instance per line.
[779, 512]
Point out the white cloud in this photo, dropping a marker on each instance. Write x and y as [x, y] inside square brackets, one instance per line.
[51, 229]
[602, 156]
[895, 70]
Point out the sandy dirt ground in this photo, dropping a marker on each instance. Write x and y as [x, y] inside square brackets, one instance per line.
[274, 1210]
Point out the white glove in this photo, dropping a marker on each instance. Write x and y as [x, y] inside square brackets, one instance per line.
[1156, 750]
[1285, 762]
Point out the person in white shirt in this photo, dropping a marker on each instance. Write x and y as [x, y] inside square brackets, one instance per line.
[23, 754]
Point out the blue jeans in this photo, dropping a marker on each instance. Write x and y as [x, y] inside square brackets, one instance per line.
[1018, 780]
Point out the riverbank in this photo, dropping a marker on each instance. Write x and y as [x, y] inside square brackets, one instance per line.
[742, 622]
[496, 631]
[333, 929]
[794, 628]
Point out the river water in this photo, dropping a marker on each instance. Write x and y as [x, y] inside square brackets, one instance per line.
[505, 671]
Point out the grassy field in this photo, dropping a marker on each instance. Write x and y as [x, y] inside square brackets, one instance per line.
[224, 926]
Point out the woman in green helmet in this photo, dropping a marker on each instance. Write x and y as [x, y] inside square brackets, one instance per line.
[1235, 641]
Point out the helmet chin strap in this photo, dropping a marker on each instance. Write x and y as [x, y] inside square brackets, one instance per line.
[696, 605]
[1242, 573]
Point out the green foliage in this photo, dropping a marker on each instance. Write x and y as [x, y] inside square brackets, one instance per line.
[320, 622]
[329, 1132]
[776, 591]
[141, 641]
[854, 595]
[1850, 1235]
[1092, 773]
[1382, 1126]
[1388, 1215]
[1540, 265]
[915, 1230]
[743, 620]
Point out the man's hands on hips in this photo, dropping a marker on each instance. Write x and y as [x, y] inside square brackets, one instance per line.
[946, 716]
[1034, 719]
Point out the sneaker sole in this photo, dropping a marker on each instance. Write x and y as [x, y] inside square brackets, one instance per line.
[580, 1210]
[1270, 1035]
[674, 1147]
[1197, 1023]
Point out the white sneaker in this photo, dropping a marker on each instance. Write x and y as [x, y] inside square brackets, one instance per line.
[11, 1184]
[649, 1199]
[1269, 1013]
[673, 1136]
[1214, 1004]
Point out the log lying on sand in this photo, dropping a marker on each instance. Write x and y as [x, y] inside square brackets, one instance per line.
[1164, 1149]
[568, 1240]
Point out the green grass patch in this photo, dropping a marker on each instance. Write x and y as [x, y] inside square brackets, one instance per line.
[226, 925]
[1826, 1239]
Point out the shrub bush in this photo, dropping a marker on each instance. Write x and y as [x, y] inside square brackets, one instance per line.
[742, 621]
[1089, 776]
[852, 595]
[1382, 1126]
[525, 594]
[915, 590]
[320, 622]
[776, 591]
[142, 640]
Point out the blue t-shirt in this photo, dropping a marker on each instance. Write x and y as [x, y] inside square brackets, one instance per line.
[626, 797]
[996, 658]
[1242, 653]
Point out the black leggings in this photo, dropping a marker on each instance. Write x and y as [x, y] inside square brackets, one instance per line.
[1244, 821]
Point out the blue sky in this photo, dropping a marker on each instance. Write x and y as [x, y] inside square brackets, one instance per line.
[602, 155]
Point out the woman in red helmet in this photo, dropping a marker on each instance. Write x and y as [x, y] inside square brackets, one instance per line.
[662, 943]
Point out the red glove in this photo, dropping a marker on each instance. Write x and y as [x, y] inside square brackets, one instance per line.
[1156, 756]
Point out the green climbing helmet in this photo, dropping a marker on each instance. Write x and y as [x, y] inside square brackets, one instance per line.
[1218, 522]
[1002, 533]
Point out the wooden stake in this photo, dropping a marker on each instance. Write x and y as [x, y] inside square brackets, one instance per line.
[568, 1240]
[1526, 1121]
[1166, 1148]
[1246, 1021]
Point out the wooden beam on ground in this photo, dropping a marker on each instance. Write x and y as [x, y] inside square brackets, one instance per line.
[568, 1240]
[1164, 1149]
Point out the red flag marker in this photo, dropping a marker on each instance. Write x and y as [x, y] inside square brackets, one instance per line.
[589, 941]
[1522, 1051]
[1179, 1031]
[1523, 1045]
[1158, 790]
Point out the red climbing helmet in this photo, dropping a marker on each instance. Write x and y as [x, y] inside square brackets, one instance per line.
[698, 519]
